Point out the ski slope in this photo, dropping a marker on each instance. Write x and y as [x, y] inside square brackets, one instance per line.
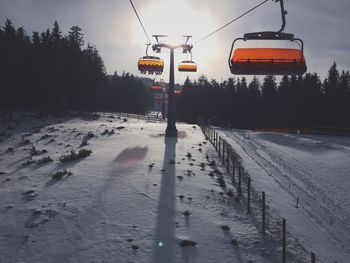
[126, 202]
[315, 169]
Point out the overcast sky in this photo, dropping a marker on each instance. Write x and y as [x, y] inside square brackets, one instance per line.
[112, 27]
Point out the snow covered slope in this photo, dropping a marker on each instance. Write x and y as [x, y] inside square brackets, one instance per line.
[125, 202]
[315, 169]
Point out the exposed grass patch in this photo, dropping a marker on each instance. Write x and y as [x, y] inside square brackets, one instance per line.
[230, 193]
[212, 163]
[45, 136]
[225, 227]
[135, 247]
[186, 213]
[46, 159]
[218, 172]
[86, 138]
[188, 243]
[90, 135]
[24, 142]
[60, 174]
[234, 242]
[28, 161]
[108, 132]
[35, 152]
[83, 153]
[84, 143]
[9, 149]
[95, 116]
[221, 181]
[50, 141]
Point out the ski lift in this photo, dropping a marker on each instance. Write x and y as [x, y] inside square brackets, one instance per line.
[156, 88]
[268, 61]
[150, 64]
[187, 65]
[157, 98]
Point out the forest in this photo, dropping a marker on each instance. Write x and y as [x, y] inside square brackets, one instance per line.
[294, 101]
[52, 72]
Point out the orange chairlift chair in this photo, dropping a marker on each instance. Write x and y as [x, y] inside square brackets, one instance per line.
[156, 88]
[187, 66]
[150, 64]
[178, 92]
[157, 97]
[268, 61]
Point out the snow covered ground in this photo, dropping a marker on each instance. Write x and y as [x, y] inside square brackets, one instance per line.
[137, 198]
[315, 169]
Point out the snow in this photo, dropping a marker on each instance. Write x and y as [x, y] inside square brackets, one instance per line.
[123, 203]
[314, 169]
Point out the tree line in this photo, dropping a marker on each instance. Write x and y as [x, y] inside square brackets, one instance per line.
[294, 101]
[49, 71]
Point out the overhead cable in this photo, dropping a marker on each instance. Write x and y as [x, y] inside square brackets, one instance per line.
[138, 17]
[229, 23]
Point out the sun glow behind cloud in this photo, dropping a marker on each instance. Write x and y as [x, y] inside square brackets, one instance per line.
[177, 18]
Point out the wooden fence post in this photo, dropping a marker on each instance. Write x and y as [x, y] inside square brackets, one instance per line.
[263, 212]
[239, 180]
[233, 170]
[227, 159]
[248, 205]
[224, 148]
[213, 137]
[284, 240]
[313, 257]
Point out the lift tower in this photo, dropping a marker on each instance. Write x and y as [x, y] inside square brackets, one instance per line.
[171, 130]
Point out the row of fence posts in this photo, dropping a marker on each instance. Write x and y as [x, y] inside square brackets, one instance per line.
[142, 117]
[228, 155]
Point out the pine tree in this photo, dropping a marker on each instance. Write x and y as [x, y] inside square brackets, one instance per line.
[56, 34]
[331, 85]
[75, 37]
[269, 99]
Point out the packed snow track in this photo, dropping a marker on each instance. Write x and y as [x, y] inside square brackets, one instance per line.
[313, 169]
